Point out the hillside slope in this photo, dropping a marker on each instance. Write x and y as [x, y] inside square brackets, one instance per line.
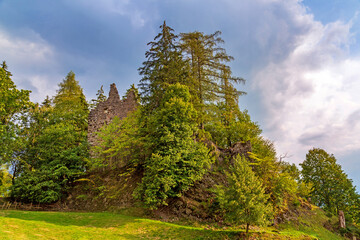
[73, 225]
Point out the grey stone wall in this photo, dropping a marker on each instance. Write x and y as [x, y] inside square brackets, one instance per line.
[106, 111]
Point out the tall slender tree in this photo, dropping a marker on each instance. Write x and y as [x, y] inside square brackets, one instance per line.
[211, 77]
[100, 98]
[163, 66]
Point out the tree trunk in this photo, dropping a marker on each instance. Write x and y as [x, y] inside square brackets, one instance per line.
[247, 230]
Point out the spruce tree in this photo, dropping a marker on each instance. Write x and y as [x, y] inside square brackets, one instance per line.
[163, 66]
[100, 98]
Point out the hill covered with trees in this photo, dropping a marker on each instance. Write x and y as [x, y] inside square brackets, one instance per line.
[188, 150]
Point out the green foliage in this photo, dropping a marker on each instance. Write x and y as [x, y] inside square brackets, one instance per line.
[244, 199]
[55, 147]
[100, 98]
[40, 186]
[5, 182]
[228, 126]
[178, 160]
[135, 91]
[163, 66]
[278, 178]
[211, 79]
[13, 103]
[331, 188]
[120, 143]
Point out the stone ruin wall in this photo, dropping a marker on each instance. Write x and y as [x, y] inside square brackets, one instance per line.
[106, 111]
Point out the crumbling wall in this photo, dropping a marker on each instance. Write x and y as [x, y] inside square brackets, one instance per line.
[106, 111]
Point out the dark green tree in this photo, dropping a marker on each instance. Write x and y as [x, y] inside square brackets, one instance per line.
[177, 160]
[163, 66]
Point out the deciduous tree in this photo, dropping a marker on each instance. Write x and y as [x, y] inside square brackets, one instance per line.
[244, 200]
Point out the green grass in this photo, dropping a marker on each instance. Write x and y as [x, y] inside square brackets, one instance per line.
[74, 225]
[312, 223]
[70, 225]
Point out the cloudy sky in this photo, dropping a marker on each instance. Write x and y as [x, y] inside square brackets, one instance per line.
[301, 59]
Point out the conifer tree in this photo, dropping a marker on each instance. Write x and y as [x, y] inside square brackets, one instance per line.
[100, 98]
[211, 77]
[163, 66]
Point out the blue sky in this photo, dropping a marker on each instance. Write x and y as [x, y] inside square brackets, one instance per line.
[301, 59]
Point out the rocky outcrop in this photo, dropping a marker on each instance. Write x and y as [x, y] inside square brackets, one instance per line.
[106, 111]
[229, 154]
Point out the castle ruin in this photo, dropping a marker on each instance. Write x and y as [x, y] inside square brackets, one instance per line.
[105, 111]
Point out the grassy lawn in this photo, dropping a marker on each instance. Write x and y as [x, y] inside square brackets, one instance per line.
[70, 225]
[74, 225]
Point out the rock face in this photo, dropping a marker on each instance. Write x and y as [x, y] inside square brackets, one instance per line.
[106, 111]
[240, 148]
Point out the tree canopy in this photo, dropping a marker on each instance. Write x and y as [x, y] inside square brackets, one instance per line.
[331, 187]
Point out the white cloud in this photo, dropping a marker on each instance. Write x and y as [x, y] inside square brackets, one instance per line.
[24, 50]
[124, 8]
[25, 53]
[311, 95]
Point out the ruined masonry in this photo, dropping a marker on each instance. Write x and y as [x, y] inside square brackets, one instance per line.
[106, 111]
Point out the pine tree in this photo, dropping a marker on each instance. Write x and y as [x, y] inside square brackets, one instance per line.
[70, 103]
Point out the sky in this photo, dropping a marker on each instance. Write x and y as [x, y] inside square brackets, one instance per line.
[300, 59]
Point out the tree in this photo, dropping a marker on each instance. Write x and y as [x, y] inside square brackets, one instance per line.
[5, 181]
[177, 160]
[100, 98]
[120, 143]
[211, 78]
[243, 199]
[331, 188]
[13, 103]
[57, 151]
[164, 66]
